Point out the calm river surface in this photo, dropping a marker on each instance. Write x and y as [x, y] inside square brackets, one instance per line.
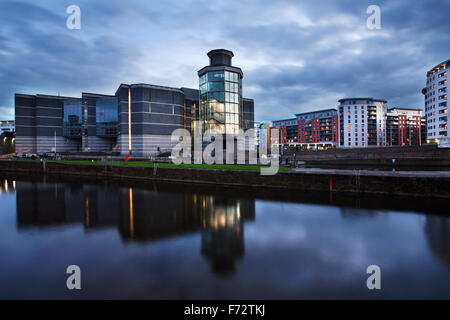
[185, 242]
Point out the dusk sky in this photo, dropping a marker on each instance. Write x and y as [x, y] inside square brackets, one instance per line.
[296, 55]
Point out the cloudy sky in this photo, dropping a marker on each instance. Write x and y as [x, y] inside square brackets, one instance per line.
[296, 55]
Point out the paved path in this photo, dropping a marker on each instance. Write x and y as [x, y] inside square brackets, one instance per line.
[375, 173]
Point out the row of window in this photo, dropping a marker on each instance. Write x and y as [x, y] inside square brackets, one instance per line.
[219, 86]
[220, 97]
[219, 76]
[221, 107]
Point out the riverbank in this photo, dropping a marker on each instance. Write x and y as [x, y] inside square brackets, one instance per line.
[425, 157]
[428, 184]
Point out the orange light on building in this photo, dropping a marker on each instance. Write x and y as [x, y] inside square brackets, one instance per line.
[130, 197]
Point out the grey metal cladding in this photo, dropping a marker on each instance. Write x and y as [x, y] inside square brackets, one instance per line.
[90, 101]
[44, 121]
[28, 112]
[48, 131]
[92, 111]
[122, 94]
[49, 112]
[92, 131]
[248, 105]
[139, 94]
[139, 107]
[154, 129]
[24, 121]
[49, 102]
[25, 131]
[162, 108]
[25, 101]
[123, 127]
[178, 110]
[166, 96]
[191, 94]
[137, 118]
[123, 107]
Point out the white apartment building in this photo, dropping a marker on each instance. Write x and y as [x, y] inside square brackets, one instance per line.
[436, 109]
[362, 122]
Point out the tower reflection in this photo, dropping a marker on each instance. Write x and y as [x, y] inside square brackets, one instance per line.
[437, 230]
[140, 215]
[223, 231]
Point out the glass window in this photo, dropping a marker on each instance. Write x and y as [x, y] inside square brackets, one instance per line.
[73, 118]
[107, 110]
[219, 96]
[216, 86]
[216, 76]
[227, 76]
[203, 88]
[107, 117]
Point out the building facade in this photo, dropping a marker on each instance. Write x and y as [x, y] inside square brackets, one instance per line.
[288, 129]
[318, 128]
[436, 108]
[261, 132]
[362, 122]
[138, 119]
[404, 127]
[221, 105]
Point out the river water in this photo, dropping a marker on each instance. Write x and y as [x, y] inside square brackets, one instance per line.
[163, 241]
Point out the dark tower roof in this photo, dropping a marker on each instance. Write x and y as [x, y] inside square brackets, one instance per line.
[220, 57]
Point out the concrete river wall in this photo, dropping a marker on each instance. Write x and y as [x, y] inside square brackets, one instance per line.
[430, 184]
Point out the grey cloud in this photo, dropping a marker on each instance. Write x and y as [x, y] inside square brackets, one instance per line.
[296, 55]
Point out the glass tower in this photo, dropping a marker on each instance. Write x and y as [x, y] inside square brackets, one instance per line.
[73, 119]
[221, 94]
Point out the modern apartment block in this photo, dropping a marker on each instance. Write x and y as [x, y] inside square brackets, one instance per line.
[138, 119]
[436, 108]
[261, 130]
[362, 122]
[318, 128]
[288, 129]
[404, 127]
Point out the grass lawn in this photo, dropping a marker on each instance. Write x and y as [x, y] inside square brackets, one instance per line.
[171, 165]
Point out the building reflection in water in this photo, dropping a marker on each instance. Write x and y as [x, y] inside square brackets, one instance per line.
[7, 186]
[349, 213]
[437, 230]
[223, 230]
[141, 215]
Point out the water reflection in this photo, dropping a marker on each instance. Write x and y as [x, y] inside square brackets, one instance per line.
[223, 231]
[172, 241]
[141, 215]
[437, 230]
[7, 186]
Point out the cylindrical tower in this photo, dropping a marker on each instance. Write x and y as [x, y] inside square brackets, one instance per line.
[221, 94]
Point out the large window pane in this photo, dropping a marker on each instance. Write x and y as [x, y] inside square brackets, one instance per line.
[216, 76]
[215, 86]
